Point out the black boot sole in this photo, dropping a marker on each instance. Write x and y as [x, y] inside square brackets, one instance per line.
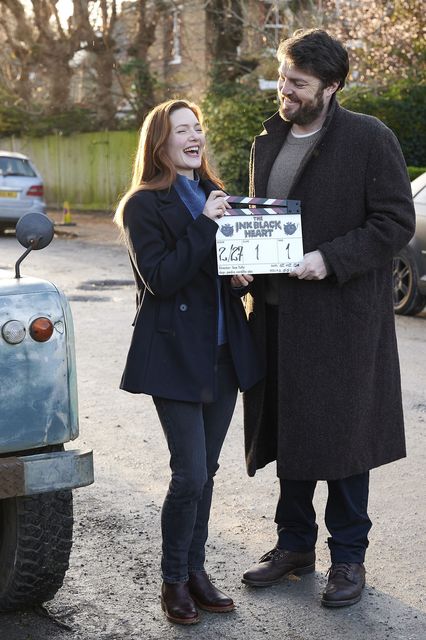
[340, 603]
[294, 572]
[212, 608]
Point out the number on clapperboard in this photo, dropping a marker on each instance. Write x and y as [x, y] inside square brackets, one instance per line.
[288, 250]
[236, 253]
[257, 252]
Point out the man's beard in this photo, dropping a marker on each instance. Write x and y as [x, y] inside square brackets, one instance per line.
[306, 113]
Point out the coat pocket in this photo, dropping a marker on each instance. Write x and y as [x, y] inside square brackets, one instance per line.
[359, 297]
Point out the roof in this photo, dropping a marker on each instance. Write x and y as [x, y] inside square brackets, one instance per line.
[12, 154]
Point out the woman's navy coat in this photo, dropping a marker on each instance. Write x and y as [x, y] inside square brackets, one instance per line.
[174, 345]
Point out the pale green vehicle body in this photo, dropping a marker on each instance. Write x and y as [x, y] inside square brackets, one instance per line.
[38, 394]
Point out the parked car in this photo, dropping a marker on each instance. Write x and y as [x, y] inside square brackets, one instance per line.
[38, 414]
[409, 265]
[21, 188]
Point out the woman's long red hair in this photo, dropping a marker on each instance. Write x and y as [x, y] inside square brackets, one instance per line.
[152, 168]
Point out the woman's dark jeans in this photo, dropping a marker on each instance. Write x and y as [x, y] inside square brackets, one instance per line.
[195, 433]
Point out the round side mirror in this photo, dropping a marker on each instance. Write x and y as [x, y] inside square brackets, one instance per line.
[34, 230]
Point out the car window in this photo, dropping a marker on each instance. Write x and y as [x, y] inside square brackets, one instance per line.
[420, 198]
[15, 167]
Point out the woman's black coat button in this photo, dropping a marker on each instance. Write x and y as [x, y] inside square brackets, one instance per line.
[183, 307]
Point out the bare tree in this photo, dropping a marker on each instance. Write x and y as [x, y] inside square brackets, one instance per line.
[17, 61]
[98, 21]
[245, 33]
[386, 39]
[148, 13]
[226, 29]
[41, 51]
[95, 22]
[53, 49]
[39, 48]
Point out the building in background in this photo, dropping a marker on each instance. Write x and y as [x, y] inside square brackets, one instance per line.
[184, 49]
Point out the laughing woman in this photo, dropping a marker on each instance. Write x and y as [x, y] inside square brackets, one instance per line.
[191, 348]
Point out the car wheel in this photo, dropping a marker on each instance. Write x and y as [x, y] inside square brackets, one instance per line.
[406, 297]
[35, 544]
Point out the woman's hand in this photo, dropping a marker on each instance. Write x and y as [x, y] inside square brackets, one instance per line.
[241, 280]
[216, 205]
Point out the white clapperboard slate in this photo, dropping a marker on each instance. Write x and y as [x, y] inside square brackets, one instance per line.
[255, 239]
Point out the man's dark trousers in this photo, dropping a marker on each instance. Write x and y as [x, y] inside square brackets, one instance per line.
[346, 517]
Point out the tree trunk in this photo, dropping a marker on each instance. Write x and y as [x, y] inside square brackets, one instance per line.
[105, 105]
[59, 77]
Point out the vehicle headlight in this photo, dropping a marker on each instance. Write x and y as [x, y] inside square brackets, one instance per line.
[13, 331]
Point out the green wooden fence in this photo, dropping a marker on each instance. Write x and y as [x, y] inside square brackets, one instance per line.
[89, 170]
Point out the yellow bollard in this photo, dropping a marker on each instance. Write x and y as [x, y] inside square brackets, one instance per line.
[66, 219]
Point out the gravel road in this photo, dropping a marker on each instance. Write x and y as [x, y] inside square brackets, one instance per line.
[111, 591]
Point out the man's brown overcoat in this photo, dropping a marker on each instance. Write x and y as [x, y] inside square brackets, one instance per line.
[339, 395]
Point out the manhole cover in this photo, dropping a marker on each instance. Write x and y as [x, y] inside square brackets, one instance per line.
[91, 285]
[88, 298]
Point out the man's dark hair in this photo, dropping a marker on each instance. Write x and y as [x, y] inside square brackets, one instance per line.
[317, 53]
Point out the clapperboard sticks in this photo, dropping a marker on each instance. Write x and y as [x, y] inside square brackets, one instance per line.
[270, 206]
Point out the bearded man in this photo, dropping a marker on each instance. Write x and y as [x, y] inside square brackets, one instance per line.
[330, 407]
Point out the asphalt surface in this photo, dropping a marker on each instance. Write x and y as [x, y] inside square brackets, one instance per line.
[111, 591]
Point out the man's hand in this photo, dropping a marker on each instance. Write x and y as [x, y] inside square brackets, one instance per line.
[241, 280]
[312, 267]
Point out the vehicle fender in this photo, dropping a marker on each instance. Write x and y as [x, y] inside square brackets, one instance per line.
[419, 259]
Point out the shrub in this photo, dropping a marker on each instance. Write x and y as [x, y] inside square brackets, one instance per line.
[234, 115]
[400, 107]
[32, 120]
[415, 172]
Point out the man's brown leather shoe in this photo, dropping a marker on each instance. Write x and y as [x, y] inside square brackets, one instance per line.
[276, 565]
[345, 584]
[177, 603]
[206, 595]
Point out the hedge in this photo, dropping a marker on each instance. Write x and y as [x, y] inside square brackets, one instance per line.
[415, 172]
[402, 108]
[233, 119]
[234, 115]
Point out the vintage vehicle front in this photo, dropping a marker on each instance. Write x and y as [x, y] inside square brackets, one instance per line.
[38, 414]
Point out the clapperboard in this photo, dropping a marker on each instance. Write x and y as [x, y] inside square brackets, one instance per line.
[264, 237]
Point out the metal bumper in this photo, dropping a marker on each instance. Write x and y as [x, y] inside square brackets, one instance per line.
[42, 472]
